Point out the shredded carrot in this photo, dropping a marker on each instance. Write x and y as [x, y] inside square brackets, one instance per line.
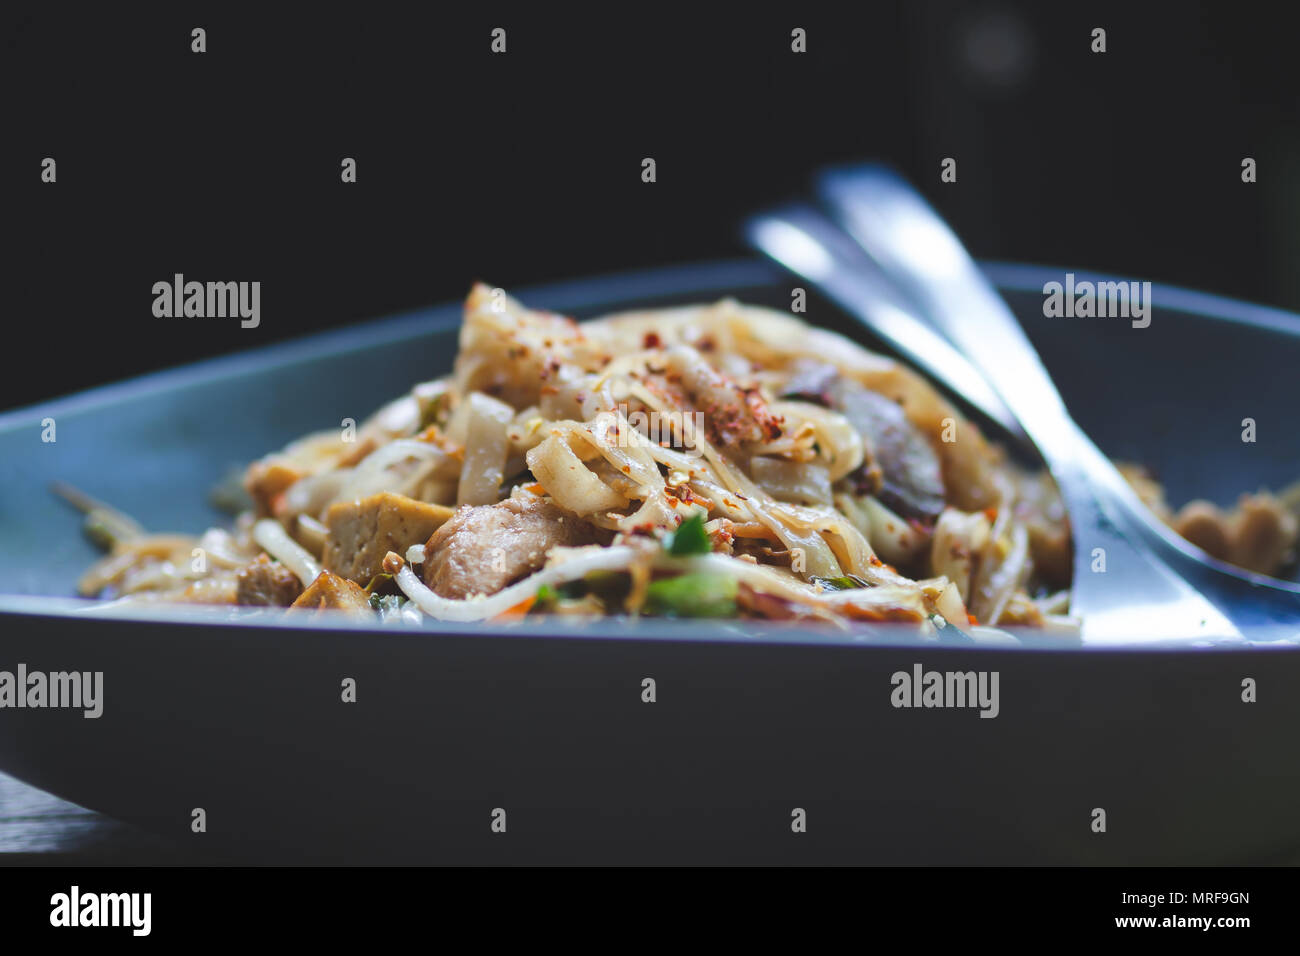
[974, 622]
[518, 610]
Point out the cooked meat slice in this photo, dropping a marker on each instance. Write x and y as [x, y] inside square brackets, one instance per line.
[811, 381]
[263, 582]
[483, 548]
[910, 479]
[733, 414]
[331, 592]
[360, 533]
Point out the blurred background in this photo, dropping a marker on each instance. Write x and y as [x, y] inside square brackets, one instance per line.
[525, 167]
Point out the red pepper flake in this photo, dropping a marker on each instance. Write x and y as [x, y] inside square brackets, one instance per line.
[652, 340]
[683, 493]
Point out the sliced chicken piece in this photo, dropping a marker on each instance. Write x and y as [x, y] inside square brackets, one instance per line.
[360, 533]
[483, 548]
[733, 414]
[511, 352]
[329, 592]
[266, 583]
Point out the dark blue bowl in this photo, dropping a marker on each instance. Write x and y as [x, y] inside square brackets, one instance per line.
[546, 720]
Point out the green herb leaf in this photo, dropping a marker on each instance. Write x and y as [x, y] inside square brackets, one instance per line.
[845, 582]
[431, 409]
[376, 581]
[689, 539]
[703, 594]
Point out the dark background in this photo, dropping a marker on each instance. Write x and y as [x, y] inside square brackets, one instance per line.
[525, 167]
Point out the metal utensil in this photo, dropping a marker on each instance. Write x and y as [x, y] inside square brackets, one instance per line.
[1134, 578]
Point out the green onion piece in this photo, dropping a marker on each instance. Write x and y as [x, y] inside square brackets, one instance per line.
[702, 594]
[377, 580]
[689, 539]
[845, 582]
[105, 526]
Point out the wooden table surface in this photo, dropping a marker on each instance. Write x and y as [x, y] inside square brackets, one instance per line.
[38, 828]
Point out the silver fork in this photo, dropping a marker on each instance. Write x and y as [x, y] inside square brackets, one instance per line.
[1134, 578]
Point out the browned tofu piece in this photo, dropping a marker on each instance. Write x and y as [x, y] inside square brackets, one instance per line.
[266, 583]
[362, 532]
[265, 481]
[331, 592]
